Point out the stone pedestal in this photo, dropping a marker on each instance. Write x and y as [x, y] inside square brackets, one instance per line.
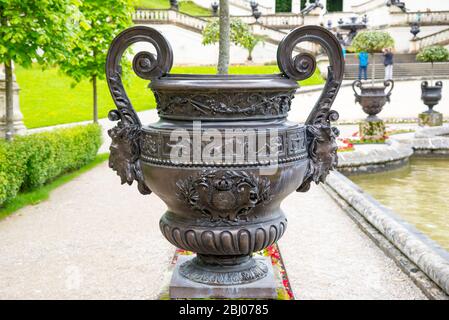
[19, 127]
[372, 130]
[430, 119]
[181, 287]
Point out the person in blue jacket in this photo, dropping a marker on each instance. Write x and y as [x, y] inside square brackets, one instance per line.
[363, 65]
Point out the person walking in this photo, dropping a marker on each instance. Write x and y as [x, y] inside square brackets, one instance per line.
[388, 63]
[363, 65]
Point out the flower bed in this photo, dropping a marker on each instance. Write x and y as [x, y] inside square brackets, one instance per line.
[345, 145]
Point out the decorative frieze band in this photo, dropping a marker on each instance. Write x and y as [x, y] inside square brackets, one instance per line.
[223, 149]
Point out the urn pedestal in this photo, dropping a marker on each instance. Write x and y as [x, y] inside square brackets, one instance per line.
[431, 96]
[372, 99]
[223, 155]
[373, 130]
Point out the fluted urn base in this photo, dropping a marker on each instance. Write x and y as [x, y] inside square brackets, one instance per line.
[251, 277]
[223, 270]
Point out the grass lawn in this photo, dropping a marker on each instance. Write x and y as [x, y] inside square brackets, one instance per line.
[35, 196]
[48, 98]
[185, 6]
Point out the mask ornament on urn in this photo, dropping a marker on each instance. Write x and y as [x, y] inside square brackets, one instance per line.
[223, 210]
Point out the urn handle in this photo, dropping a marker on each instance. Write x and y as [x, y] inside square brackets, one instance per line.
[125, 147]
[303, 66]
[145, 64]
[321, 137]
[357, 84]
[389, 83]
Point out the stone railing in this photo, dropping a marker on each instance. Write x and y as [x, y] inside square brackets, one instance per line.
[274, 36]
[197, 24]
[437, 38]
[425, 18]
[169, 16]
[292, 20]
[368, 6]
[288, 21]
[280, 21]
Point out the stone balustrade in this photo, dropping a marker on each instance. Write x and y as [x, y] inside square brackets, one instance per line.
[198, 23]
[437, 38]
[290, 20]
[424, 18]
[169, 16]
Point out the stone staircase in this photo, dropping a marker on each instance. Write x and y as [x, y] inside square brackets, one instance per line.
[438, 38]
[245, 5]
[197, 24]
[405, 67]
[351, 58]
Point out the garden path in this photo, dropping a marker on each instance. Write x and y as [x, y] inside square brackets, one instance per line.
[97, 239]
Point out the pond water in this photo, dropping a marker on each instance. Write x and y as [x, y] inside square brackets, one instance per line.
[419, 193]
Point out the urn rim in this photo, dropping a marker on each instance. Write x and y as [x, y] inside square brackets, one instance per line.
[241, 83]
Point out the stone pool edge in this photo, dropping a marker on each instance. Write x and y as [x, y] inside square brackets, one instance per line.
[427, 142]
[422, 259]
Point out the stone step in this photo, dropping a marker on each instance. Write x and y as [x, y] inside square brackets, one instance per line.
[351, 58]
[401, 70]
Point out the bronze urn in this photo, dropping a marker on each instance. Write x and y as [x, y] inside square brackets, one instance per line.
[372, 98]
[223, 155]
[431, 95]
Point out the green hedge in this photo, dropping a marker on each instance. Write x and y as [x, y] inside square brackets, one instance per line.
[32, 160]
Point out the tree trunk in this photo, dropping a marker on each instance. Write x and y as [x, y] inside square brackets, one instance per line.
[250, 55]
[95, 96]
[9, 107]
[225, 35]
[431, 76]
[373, 77]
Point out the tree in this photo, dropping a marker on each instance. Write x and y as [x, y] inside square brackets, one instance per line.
[240, 35]
[372, 42]
[31, 31]
[249, 42]
[224, 44]
[433, 54]
[100, 22]
[284, 6]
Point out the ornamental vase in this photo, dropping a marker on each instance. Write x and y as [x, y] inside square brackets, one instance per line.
[223, 155]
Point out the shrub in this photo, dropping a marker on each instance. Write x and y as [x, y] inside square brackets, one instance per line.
[372, 41]
[241, 35]
[33, 160]
[433, 54]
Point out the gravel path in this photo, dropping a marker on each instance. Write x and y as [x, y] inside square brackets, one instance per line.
[96, 239]
[92, 239]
